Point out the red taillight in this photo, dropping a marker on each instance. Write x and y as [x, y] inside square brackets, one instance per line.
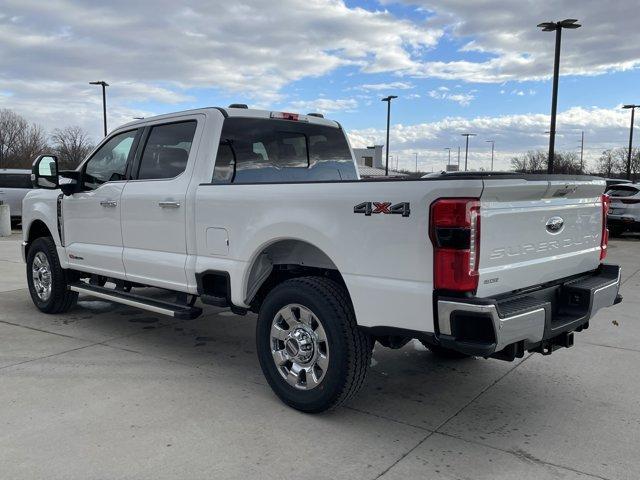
[604, 241]
[455, 233]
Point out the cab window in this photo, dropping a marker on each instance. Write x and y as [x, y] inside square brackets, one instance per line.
[167, 150]
[109, 163]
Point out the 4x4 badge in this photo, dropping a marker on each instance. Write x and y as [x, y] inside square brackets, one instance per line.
[369, 208]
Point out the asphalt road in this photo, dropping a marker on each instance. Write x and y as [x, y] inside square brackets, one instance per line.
[109, 392]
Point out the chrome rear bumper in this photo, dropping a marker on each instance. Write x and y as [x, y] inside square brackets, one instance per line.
[526, 321]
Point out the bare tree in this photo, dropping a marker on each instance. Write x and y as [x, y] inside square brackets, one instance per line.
[71, 144]
[20, 142]
[567, 163]
[607, 164]
[530, 162]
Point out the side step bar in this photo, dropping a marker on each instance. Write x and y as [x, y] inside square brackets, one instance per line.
[176, 310]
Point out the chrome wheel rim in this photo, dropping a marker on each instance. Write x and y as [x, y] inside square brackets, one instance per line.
[41, 276]
[299, 346]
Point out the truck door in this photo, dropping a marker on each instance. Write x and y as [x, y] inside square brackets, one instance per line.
[92, 234]
[153, 205]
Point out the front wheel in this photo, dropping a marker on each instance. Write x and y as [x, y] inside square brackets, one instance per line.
[309, 346]
[47, 280]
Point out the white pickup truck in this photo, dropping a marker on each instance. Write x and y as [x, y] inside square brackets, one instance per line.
[265, 212]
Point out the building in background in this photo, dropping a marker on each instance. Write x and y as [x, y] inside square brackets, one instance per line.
[370, 163]
[370, 156]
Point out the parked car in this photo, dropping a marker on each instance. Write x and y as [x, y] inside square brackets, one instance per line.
[14, 185]
[264, 211]
[616, 181]
[624, 209]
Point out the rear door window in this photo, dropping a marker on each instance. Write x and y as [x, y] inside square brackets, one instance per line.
[622, 191]
[266, 150]
[15, 180]
[167, 150]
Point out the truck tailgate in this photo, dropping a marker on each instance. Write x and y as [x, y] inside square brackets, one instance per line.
[537, 231]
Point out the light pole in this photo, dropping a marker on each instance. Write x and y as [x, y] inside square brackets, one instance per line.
[582, 152]
[416, 162]
[556, 27]
[104, 101]
[466, 148]
[449, 150]
[388, 100]
[493, 144]
[633, 112]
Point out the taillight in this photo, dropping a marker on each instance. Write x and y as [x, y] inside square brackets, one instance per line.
[455, 233]
[294, 117]
[604, 241]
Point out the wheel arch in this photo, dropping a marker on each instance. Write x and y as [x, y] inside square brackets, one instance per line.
[36, 229]
[282, 259]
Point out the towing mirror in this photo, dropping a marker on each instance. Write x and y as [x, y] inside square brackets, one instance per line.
[44, 173]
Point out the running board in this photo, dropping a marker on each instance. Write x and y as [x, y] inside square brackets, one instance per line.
[176, 310]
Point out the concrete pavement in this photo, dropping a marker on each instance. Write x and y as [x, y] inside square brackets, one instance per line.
[110, 392]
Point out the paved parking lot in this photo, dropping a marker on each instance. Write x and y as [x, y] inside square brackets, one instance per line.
[109, 392]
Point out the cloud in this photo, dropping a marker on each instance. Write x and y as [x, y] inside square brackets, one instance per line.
[325, 105]
[158, 51]
[442, 93]
[513, 134]
[506, 33]
[387, 86]
[253, 47]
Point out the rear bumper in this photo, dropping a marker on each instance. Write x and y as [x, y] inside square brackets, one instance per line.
[539, 320]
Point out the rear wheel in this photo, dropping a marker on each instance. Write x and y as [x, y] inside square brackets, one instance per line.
[616, 231]
[47, 280]
[309, 346]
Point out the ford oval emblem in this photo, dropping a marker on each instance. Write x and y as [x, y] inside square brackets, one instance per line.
[555, 224]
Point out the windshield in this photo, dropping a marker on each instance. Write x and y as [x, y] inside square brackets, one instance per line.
[256, 150]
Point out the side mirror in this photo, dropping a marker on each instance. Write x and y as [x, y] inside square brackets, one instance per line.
[44, 173]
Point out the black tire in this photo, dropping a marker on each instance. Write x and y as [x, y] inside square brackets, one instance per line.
[447, 353]
[349, 348]
[615, 231]
[61, 298]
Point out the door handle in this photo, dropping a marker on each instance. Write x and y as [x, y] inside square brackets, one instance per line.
[169, 204]
[109, 203]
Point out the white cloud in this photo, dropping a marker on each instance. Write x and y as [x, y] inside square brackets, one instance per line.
[442, 93]
[514, 134]
[519, 51]
[325, 105]
[387, 86]
[158, 49]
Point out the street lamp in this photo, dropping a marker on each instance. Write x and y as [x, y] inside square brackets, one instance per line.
[633, 112]
[388, 100]
[104, 102]
[466, 148]
[449, 150]
[557, 27]
[493, 144]
[416, 162]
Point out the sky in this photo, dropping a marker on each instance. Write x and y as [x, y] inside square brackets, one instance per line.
[457, 66]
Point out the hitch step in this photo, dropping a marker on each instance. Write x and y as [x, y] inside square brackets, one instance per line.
[176, 310]
[547, 347]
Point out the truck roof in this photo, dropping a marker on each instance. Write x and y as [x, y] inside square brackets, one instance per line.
[232, 112]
